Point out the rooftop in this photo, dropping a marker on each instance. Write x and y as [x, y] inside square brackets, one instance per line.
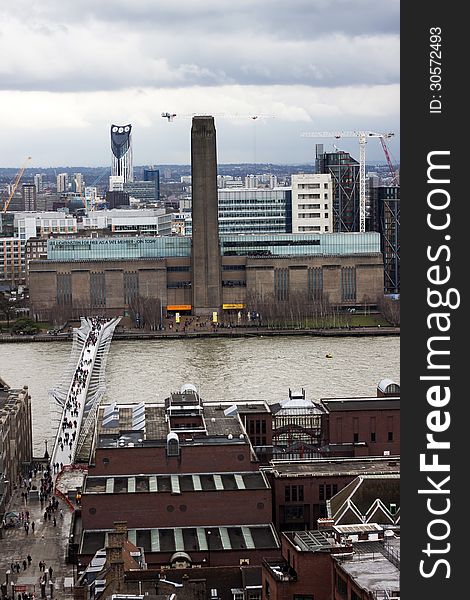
[194, 482]
[119, 427]
[188, 539]
[371, 568]
[334, 466]
[373, 403]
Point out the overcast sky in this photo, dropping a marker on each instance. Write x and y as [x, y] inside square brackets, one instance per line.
[70, 68]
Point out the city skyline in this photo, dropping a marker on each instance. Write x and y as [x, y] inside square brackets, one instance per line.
[307, 66]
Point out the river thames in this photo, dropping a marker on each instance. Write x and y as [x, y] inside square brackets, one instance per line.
[254, 368]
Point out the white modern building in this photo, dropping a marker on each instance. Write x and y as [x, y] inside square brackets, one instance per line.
[29, 225]
[312, 203]
[128, 221]
[116, 183]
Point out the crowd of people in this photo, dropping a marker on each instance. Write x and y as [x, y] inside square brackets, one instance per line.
[70, 419]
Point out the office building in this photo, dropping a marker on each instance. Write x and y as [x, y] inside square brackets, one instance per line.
[153, 174]
[116, 183]
[312, 203]
[121, 150]
[144, 191]
[117, 199]
[385, 218]
[28, 191]
[127, 221]
[252, 211]
[344, 172]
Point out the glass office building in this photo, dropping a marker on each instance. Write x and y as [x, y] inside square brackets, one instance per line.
[253, 210]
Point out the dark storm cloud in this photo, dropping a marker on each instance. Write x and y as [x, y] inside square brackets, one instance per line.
[116, 44]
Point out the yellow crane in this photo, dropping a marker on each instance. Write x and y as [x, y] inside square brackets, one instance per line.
[19, 175]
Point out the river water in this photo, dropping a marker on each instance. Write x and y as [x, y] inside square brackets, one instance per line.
[255, 368]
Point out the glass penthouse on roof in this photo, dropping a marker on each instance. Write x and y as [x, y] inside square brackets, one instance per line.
[285, 244]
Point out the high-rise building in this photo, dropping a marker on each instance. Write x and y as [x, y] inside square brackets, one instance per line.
[91, 194]
[39, 182]
[121, 150]
[28, 191]
[205, 256]
[153, 174]
[78, 183]
[62, 182]
[385, 218]
[344, 171]
[312, 203]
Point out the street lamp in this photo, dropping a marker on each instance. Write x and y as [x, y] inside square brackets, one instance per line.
[46, 453]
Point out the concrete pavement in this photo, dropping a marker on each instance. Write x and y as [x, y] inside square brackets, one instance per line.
[47, 544]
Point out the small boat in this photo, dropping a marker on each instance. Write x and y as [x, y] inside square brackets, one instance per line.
[328, 355]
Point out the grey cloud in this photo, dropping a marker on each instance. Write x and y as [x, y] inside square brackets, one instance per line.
[117, 44]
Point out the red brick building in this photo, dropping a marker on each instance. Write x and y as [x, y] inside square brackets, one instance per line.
[316, 567]
[302, 488]
[185, 478]
[306, 568]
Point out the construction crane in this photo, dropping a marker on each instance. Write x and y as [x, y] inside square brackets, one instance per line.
[19, 175]
[389, 160]
[362, 136]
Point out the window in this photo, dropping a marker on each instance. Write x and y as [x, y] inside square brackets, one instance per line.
[390, 436]
[355, 438]
[326, 491]
[281, 284]
[293, 513]
[315, 283]
[341, 586]
[131, 286]
[373, 436]
[294, 493]
[348, 283]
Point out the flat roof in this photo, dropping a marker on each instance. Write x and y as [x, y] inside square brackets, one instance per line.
[371, 569]
[214, 427]
[335, 466]
[372, 403]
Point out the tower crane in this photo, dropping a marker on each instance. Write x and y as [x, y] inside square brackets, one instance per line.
[362, 136]
[19, 175]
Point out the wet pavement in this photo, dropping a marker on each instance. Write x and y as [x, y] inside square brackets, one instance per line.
[48, 543]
